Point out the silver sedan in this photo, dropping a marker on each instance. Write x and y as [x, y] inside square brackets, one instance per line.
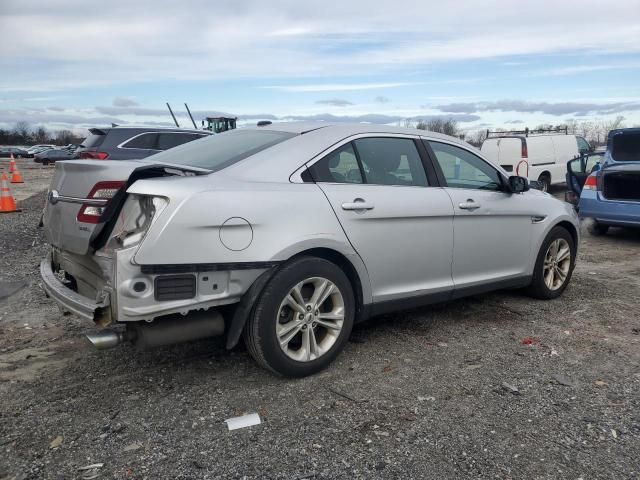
[288, 234]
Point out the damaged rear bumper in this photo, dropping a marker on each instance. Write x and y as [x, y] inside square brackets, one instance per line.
[70, 300]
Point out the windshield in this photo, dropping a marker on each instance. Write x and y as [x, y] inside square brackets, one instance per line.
[626, 147]
[221, 150]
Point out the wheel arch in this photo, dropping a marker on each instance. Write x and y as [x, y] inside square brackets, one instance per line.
[545, 173]
[570, 227]
[360, 285]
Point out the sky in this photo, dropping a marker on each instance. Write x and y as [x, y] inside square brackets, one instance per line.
[487, 64]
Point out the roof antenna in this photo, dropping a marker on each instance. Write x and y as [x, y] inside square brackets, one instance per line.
[190, 116]
[174, 117]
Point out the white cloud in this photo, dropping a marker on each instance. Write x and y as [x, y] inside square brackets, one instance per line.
[155, 40]
[124, 102]
[338, 87]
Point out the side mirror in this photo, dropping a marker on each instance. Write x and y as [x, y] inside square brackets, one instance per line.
[518, 184]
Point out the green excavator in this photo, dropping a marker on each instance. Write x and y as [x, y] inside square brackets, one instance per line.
[213, 124]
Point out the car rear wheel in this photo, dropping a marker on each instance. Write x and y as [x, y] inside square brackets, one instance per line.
[545, 182]
[302, 319]
[554, 265]
[597, 229]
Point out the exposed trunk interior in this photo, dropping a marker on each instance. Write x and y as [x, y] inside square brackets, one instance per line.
[622, 186]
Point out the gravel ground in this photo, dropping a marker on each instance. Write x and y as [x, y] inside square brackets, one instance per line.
[494, 386]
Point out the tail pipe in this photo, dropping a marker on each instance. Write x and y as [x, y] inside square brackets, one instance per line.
[163, 331]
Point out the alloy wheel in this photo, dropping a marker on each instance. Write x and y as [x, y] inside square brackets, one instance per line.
[310, 319]
[557, 262]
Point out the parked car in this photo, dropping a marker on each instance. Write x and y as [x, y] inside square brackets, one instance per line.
[539, 155]
[6, 152]
[53, 155]
[289, 233]
[610, 195]
[31, 151]
[126, 143]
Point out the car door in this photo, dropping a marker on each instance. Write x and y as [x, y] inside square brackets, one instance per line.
[397, 221]
[492, 228]
[580, 168]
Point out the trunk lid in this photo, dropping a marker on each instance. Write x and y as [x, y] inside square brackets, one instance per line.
[76, 179]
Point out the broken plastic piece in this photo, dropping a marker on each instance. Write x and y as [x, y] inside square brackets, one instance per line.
[243, 421]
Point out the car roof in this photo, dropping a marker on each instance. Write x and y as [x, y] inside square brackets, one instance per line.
[313, 139]
[349, 129]
[147, 128]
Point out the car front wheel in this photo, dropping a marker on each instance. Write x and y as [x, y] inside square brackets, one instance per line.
[554, 265]
[302, 319]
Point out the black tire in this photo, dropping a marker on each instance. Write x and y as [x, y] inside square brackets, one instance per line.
[538, 288]
[597, 229]
[260, 331]
[545, 182]
[45, 161]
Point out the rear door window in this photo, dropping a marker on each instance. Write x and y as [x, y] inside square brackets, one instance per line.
[144, 140]
[340, 166]
[391, 161]
[169, 140]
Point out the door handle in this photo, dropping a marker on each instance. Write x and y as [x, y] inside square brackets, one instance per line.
[470, 204]
[357, 205]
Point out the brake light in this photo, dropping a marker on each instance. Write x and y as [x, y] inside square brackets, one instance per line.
[524, 152]
[105, 190]
[94, 155]
[591, 183]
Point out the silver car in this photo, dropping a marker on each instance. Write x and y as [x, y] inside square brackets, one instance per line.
[288, 234]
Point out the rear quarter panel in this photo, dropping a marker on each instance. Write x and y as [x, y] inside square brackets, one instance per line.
[285, 219]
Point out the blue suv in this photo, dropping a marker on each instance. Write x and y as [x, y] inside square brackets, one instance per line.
[610, 192]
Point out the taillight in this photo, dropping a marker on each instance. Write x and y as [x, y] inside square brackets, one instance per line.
[105, 190]
[524, 152]
[591, 183]
[94, 155]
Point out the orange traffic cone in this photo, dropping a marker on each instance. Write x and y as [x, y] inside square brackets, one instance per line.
[7, 202]
[16, 177]
[12, 164]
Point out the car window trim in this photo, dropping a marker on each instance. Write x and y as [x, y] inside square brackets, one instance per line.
[296, 176]
[121, 145]
[427, 142]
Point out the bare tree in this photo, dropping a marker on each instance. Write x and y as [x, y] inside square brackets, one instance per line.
[476, 138]
[64, 137]
[447, 126]
[40, 135]
[21, 132]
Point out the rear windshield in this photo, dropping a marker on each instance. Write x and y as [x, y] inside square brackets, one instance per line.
[93, 140]
[626, 147]
[223, 149]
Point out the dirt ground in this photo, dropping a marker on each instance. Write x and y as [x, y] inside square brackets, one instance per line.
[494, 386]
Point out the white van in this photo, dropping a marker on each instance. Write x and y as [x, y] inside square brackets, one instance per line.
[535, 155]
